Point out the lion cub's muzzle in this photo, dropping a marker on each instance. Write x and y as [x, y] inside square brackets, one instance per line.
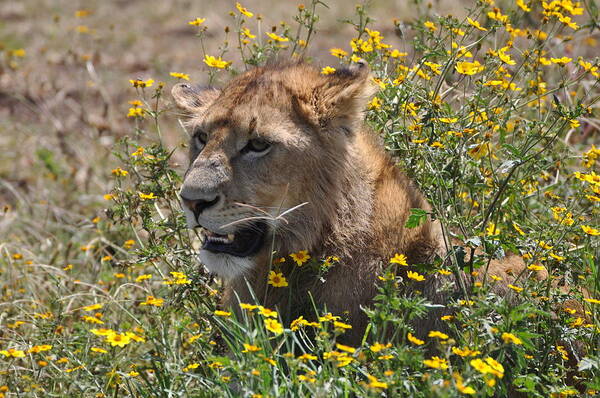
[197, 206]
[244, 242]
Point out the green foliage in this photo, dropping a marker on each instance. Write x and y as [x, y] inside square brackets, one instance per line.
[478, 113]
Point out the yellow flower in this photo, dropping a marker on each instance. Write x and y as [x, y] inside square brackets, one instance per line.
[504, 57]
[151, 300]
[248, 307]
[277, 279]
[250, 348]
[330, 260]
[135, 337]
[563, 353]
[119, 172]
[301, 257]
[590, 231]
[243, 10]
[277, 38]
[478, 151]
[338, 52]
[92, 307]
[516, 288]
[92, 319]
[143, 277]
[267, 313]
[561, 61]
[20, 52]
[535, 267]
[436, 363]
[439, 335]
[489, 366]
[341, 326]
[99, 350]
[374, 383]
[567, 21]
[102, 332]
[399, 259]
[511, 338]
[135, 112]
[379, 347]
[448, 119]
[118, 339]
[518, 229]
[178, 75]
[435, 68]
[429, 25]
[523, 6]
[465, 352]
[497, 15]
[128, 244]
[345, 348]
[415, 276]
[138, 152]
[40, 348]
[297, 323]
[15, 325]
[414, 340]
[469, 68]
[444, 272]
[341, 358]
[476, 24]
[397, 54]
[195, 365]
[492, 230]
[544, 245]
[246, 33]
[197, 22]
[140, 83]
[592, 301]
[273, 326]
[328, 317]
[327, 70]
[461, 387]
[375, 103]
[214, 62]
[307, 357]
[222, 313]
[144, 196]
[307, 377]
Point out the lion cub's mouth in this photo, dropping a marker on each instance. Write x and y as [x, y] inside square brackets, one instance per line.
[243, 243]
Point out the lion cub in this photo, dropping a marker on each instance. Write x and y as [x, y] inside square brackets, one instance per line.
[280, 161]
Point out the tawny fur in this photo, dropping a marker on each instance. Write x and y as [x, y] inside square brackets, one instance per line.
[357, 199]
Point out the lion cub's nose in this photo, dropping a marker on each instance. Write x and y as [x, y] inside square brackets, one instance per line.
[197, 206]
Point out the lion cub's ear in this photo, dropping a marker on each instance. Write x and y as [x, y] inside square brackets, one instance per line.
[193, 100]
[343, 96]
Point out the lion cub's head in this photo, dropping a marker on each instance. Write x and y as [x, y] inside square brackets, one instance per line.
[267, 156]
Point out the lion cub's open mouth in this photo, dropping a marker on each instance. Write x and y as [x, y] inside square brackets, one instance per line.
[243, 243]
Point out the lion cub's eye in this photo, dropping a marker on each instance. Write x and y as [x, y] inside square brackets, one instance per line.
[200, 139]
[257, 146]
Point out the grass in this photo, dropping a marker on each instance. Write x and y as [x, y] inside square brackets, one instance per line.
[494, 116]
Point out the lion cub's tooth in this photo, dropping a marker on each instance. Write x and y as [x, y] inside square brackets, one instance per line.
[230, 237]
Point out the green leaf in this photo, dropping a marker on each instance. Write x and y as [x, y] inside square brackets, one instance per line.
[416, 218]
